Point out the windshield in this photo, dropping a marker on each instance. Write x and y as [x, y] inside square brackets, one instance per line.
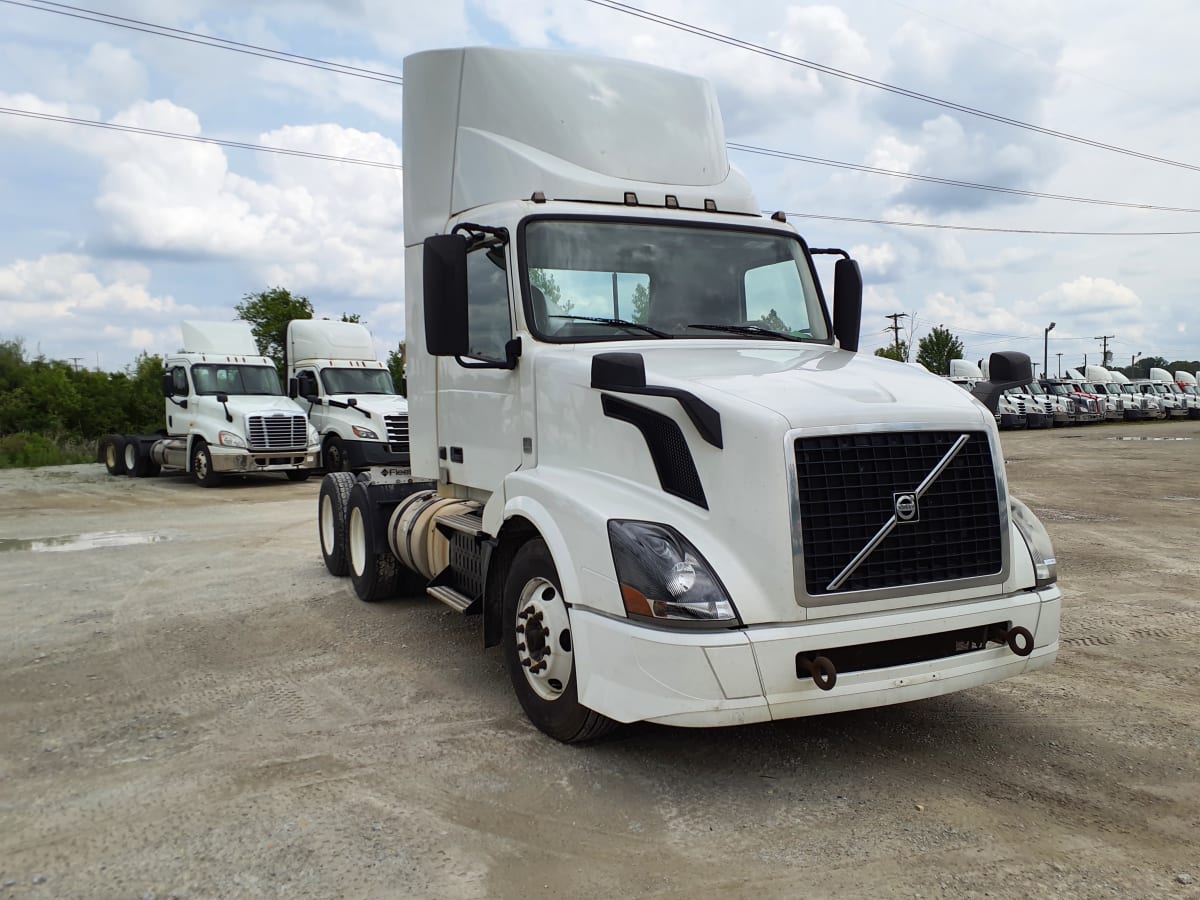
[1128, 389]
[1060, 389]
[1160, 389]
[1035, 389]
[235, 379]
[357, 381]
[596, 280]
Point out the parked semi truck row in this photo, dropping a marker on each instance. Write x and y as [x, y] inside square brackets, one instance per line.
[225, 414]
[645, 451]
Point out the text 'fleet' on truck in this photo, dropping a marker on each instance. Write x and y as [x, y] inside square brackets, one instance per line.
[225, 414]
[645, 451]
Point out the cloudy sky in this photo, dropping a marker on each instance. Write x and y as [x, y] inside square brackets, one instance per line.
[109, 238]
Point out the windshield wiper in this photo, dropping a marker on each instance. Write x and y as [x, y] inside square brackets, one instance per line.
[618, 323]
[756, 330]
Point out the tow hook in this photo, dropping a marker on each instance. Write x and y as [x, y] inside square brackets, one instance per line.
[823, 673]
[1018, 638]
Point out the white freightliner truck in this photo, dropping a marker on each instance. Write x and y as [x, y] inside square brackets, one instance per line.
[645, 452]
[1100, 379]
[349, 395]
[225, 415]
[1176, 403]
[1187, 383]
[1147, 404]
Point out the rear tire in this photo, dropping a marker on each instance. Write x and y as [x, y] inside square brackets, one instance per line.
[112, 448]
[202, 467]
[539, 656]
[331, 520]
[374, 571]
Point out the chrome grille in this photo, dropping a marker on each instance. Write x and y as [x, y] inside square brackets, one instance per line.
[397, 433]
[280, 431]
[847, 488]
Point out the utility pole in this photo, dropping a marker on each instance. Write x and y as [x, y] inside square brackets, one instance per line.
[1104, 338]
[895, 326]
[75, 360]
[1059, 355]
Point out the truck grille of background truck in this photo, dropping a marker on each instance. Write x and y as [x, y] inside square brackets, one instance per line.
[277, 432]
[848, 488]
[397, 433]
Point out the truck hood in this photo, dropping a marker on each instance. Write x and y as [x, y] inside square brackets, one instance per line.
[259, 405]
[378, 405]
[807, 385]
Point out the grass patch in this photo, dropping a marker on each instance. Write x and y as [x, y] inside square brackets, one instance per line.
[24, 451]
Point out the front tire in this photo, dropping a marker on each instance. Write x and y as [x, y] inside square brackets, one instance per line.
[331, 520]
[334, 455]
[538, 649]
[202, 467]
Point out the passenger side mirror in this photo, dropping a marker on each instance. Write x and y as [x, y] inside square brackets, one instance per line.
[847, 303]
[293, 388]
[445, 301]
[1008, 369]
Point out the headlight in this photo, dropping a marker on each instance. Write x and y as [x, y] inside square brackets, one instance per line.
[1045, 566]
[664, 578]
[314, 436]
[361, 432]
[229, 439]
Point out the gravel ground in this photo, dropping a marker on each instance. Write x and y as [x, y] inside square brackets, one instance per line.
[191, 706]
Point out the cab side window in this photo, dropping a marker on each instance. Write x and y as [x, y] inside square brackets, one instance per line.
[489, 325]
[179, 381]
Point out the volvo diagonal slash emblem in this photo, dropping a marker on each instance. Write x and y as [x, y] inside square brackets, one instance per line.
[906, 508]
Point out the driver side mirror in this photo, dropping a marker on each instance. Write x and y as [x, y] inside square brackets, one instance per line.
[445, 288]
[168, 385]
[293, 388]
[1008, 369]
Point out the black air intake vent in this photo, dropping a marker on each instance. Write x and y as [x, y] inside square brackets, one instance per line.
[848, 486]
[397, 433]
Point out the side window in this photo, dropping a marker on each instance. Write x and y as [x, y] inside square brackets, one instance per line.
[489, 326]
[179, 380]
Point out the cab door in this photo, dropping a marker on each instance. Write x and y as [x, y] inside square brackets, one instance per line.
[479, 416]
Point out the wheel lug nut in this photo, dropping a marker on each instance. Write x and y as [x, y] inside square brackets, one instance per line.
[527, 663]
[520, 629]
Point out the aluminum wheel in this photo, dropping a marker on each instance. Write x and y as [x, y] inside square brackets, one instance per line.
[328, 535]
[543, 637]
[356, 540]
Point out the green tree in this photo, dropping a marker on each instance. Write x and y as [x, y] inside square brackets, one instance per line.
[268, 313]
[395, 363]
[641, 304]
[936, 349]
[351, 317]
[900, 354]
[545, 282]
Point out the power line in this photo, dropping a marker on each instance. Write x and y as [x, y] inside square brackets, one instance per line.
[803, 215]
[933, 179]
[238, 145]
[90, 15]
[192, 37]
[779, 55]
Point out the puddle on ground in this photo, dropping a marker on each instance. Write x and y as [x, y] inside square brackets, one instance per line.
[90, 540]
[1148, 438]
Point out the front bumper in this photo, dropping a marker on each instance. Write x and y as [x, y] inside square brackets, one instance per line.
[631, 672]
[364, 454]
[232, 460]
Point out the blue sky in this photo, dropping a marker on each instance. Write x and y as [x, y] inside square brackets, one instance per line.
[109, 239]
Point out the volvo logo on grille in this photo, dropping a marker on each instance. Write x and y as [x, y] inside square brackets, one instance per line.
[906, 507]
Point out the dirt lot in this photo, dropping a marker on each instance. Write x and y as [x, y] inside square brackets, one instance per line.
[195, 708]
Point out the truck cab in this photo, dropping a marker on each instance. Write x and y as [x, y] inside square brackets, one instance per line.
[349, 395]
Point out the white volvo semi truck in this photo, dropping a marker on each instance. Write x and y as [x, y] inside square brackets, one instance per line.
[225, 414]
[349, 395]
[645, 450]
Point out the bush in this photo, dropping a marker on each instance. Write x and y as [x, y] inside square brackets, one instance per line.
[25, 450]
